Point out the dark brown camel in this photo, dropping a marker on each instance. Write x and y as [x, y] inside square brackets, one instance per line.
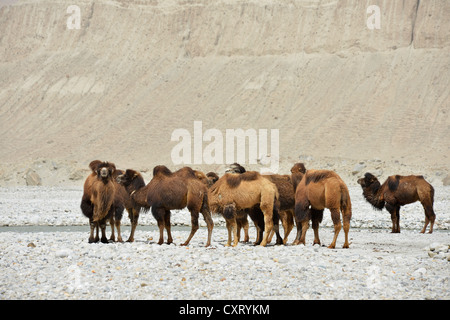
[100, 200]
[398, 191]
[169, 191]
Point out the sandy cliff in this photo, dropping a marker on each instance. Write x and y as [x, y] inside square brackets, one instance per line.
[117, 88]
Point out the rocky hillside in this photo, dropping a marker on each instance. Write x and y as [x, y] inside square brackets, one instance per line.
[135, 71]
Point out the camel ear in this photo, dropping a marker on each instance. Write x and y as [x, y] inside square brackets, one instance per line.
[94, 164]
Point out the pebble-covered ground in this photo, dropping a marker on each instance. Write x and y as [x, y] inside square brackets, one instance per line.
[59, 263]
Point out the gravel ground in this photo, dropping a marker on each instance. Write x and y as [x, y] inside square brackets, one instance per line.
[60, 264]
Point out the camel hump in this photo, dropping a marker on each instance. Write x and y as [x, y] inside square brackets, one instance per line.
[393, 182]
[234, 180]
[318, 176]
[161, 170]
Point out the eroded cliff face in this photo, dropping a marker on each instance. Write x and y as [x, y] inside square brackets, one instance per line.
[117, 87]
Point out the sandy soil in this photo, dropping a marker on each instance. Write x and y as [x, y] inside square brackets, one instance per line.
[59, 263]
[342, 97]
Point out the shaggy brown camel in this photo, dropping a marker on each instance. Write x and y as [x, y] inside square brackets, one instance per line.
[100, 200]
[131, 181]
[297, 172]
[237, 192]
[320, 189]
[241, 216]
[287, 203]
[398, 191]
[169, 191]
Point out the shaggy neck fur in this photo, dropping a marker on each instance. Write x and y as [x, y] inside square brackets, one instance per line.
[135, 189]
[372, 195]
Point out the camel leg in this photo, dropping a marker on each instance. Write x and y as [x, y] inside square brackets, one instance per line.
[158, 214]
[304, 227]
[209, 224]
[429, 218]
[103, 229]
[257, 217]
[238, 229]
[112, 224]
[276, 227]
[397, 219]
[346, 216]
[134, 217]
[97, 234]
[316, 217]
[299, 232]
[288, 224]
[245, 226]
[229, 233]
[394, 222]
[92, 226]
[194, 227]
[242, 222]
[268, 225]
[234, 228]
[232, 231]
[269, 238]
[302, 216]
[167, 226]
[161, 226]
[116, 217]
[119, 235]
[392, 209]
[335, 216]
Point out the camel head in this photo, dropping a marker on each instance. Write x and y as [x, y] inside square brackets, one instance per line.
[202, 177]
[297, 173]
[128, 177]
[298, 168]
[104, 170]
[368, 180]
[235, 168]
[212, 178]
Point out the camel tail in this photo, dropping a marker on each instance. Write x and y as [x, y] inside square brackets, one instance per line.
[431, 194]
[346, 204]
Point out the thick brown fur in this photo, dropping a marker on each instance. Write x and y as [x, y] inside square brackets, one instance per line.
[101, 200]
[235, 192]
[297, 172]
[175, 190]
[398, 191]
[287, 202]
[130, 181]
[320, 189]
[286, 185]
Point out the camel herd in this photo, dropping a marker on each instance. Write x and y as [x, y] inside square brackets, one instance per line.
[238, 194]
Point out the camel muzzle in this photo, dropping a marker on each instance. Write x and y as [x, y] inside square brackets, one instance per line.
[104, 173]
